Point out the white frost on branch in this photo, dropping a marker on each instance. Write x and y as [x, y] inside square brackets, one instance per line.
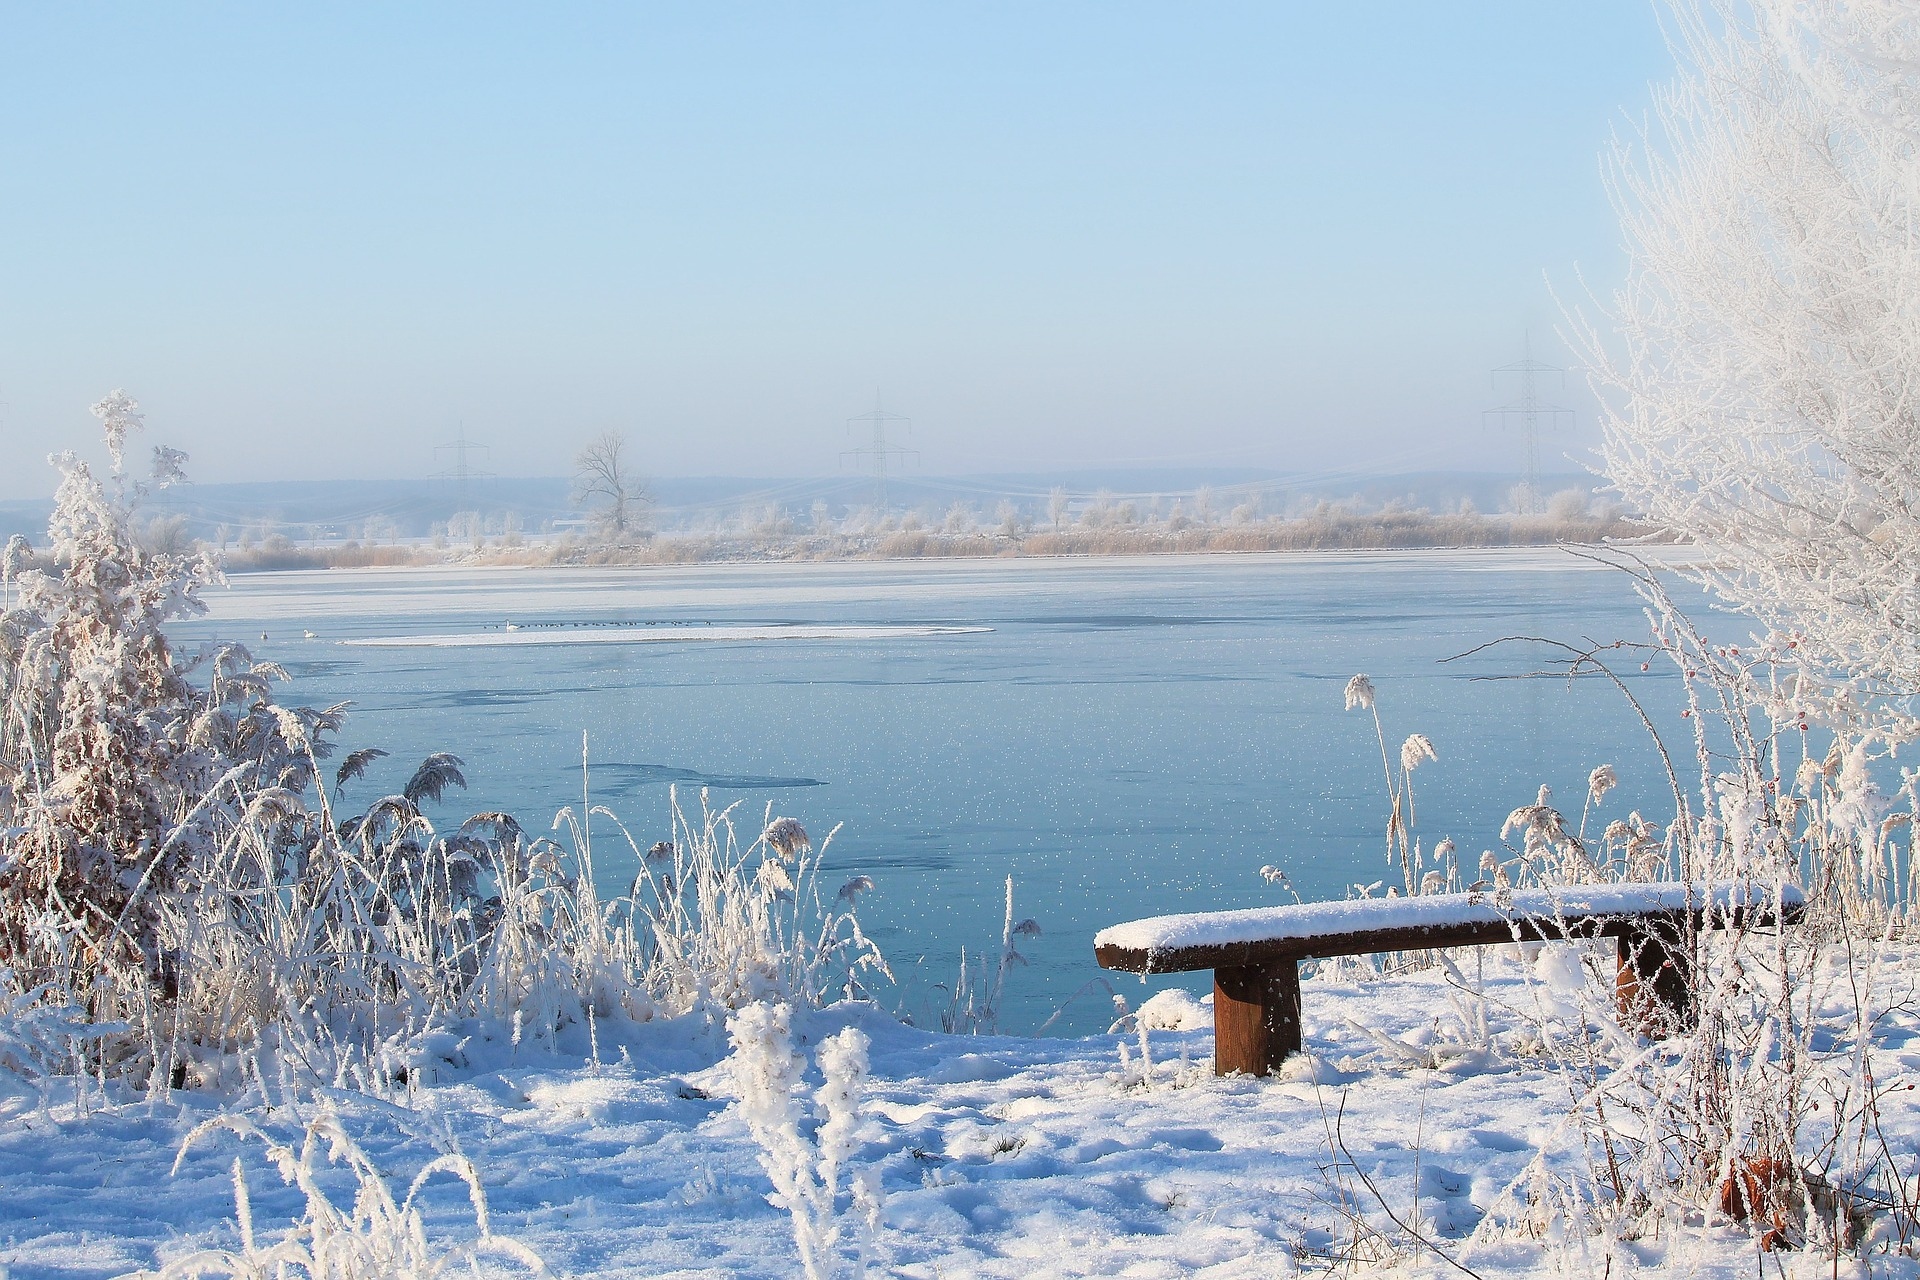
[1760, 388]
[119, 415]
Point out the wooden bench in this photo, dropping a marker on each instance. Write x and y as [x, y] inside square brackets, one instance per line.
[1255, 955]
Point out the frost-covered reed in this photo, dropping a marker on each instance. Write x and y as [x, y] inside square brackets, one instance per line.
[972, 1000]
[376, 1235]
[1762, 1104]
[1757, 1102]
[723, 923]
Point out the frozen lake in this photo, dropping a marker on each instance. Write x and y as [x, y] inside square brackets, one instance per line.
[1123, 737]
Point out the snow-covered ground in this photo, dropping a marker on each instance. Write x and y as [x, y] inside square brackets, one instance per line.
[998, 1156]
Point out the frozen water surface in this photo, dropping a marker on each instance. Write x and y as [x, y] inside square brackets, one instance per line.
[509, 634]
[1125, 737]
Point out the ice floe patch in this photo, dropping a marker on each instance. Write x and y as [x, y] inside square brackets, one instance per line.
[658, 635]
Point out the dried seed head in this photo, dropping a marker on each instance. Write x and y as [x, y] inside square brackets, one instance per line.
[661, 851]
[293, 730]
[1416, 748]
[1360, 693]
[1601, 781]
[786, 837]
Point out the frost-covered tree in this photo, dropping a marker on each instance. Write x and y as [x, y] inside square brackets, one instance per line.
[604, 480]
[1762, 394]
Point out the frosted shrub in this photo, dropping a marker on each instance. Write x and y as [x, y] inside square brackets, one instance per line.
[806, 1169]
[1759, 1104]
[99, 765]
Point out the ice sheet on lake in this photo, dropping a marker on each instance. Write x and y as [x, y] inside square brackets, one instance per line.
[658, 635]
[309, 596]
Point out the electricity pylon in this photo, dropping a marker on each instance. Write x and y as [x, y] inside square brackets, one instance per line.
[1529, 410]
[880, 450]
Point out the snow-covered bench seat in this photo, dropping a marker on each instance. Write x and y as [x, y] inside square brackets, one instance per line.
[1255, 954]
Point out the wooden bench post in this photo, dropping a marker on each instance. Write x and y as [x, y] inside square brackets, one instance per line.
[1256, 1017]
[1651, 989]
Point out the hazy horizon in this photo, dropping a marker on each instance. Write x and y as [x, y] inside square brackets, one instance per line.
[323, 244]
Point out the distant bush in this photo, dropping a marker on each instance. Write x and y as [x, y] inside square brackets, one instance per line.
[355, 555]
[1329, 531]
[1107, 534]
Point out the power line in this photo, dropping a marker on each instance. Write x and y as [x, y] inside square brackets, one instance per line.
[880, 450]
[1529, 410]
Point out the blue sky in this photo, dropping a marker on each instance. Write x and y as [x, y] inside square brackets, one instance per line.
[316, 241]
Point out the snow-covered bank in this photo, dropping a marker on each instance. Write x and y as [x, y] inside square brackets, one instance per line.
[998, 1156]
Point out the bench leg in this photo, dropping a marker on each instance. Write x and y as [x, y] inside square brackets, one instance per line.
[1652, 991]
[1256, 1017]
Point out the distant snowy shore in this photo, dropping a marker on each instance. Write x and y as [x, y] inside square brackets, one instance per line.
[913, 537]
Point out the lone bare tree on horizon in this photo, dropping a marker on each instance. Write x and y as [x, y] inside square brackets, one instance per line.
[604, 479]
